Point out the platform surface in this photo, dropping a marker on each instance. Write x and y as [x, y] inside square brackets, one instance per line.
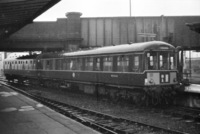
[22, 115]
[193, 88]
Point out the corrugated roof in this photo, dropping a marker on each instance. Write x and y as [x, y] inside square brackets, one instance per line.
[14, 14]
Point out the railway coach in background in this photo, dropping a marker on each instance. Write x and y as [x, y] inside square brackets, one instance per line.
[140, 72]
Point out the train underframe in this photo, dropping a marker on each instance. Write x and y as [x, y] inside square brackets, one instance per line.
[145, 95]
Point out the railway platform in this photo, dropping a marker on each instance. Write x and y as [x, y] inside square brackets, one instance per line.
[22, 115]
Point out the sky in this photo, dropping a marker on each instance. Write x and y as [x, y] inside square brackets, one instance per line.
[120, 8]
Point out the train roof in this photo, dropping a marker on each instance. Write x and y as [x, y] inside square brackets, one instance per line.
[125, 48]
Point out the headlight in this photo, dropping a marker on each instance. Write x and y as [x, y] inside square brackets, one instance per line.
[151, 81]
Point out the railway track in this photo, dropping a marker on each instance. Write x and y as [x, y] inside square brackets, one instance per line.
[104, 123]
[184, 113]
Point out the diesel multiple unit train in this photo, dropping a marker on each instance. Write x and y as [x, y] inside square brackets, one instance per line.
[130, 71]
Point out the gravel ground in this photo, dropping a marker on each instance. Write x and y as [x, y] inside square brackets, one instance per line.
[134, 113]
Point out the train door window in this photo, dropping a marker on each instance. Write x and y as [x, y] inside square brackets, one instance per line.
[163, 60]
[107, 63]
[89, 64]
[97, 62]
[122, 63]
[152, 61]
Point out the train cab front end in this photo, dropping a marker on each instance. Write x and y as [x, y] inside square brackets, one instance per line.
[161, 74]
[161, 68]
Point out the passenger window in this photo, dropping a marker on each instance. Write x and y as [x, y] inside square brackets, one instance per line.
[97, 64]
[107, 64]
[136, 64]
[71, 65]
[58, 64]
[48, 64]
[74, 64]
[33, 64]
[89, 64]
[79, 64]
[122, 63]
[67, 64]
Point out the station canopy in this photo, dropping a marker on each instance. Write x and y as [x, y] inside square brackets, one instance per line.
[14, 14]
